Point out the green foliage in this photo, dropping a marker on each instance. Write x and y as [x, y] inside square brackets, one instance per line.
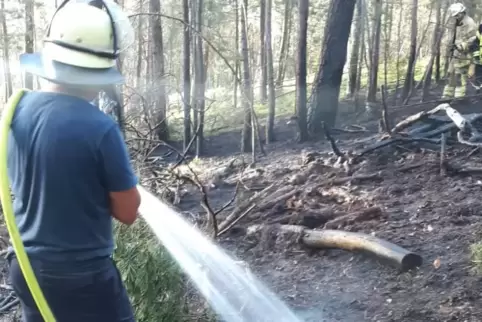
[153, 280]
[476, 253]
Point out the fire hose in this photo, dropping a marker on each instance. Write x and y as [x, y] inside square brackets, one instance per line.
[6, 201]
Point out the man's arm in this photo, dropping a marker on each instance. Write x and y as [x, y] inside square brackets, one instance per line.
[119, 177]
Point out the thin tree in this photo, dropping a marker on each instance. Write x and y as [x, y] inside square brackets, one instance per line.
[374, 57]
[247, 137]
[285, 42]
[158, 86]
[270, 136]
[263, 94]
[355, 49]
[6, 52]
[186, 99]
[409, 76]
[301, 89]
[199, 78]
[29, 37]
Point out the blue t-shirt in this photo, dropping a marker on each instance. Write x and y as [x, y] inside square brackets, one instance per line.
[64, 157]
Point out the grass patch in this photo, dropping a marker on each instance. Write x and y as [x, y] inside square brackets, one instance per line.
[152, 278]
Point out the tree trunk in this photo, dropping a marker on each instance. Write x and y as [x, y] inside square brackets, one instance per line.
[387, 30]
[236, 41]
[436, 37]
[301, 87]
[186, 99]
[326, 90]
[199, 78]
[263, 94]
[140, 50]
[409, 76]
[158, 86]
[6, 52]
[29, 37]
[270, 137]
[285, 42]
[374, 57]
[247, 88]
[355, 50]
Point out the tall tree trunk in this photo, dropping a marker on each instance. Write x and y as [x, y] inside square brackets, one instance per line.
[436, 37]
[301, 88]
[194, 40]
[409, 76]
[326, 90]
[263, 94]
[285, 42]
[375, 52]
[200, 78]
[186, 75]
[355, 50]
[387, 30]
[6, 52]
[158, 86]
[29, 37]
[236, 41]
[140, 49]
[247, 87]
[270, 137]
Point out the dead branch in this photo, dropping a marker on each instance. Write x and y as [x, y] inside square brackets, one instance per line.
[245, 205]
[235, 221]
[356, 242]
[349, 219]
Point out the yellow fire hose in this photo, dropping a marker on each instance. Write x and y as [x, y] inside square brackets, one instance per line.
[9, 216]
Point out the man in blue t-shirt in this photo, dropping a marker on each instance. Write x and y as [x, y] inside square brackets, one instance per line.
[70, 173]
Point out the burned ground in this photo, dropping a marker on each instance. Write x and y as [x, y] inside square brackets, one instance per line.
[436, 216]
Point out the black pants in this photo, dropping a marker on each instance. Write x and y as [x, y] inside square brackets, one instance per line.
[92, 292]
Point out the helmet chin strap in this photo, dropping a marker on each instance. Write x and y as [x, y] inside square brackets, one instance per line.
[98, 4]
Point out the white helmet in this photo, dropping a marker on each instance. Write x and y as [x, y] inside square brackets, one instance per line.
[456, 8]
[82, 44]
[82, 35]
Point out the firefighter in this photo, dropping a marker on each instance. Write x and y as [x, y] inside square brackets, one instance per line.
[70, 170]
[475, 69]
[466, 33]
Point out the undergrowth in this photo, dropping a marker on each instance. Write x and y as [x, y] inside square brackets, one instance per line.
[152, 278]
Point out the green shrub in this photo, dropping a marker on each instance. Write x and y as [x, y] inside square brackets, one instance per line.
[152, 278]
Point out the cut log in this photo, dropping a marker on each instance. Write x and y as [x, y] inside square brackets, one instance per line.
[391, 253]
[387, 252]
[348, 219]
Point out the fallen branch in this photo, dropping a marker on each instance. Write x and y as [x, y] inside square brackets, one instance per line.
[387, 252]
[412, 119]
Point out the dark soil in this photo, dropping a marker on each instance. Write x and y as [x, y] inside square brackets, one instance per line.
[436, 216]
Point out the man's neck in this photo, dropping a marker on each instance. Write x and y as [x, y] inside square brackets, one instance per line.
[56, 88]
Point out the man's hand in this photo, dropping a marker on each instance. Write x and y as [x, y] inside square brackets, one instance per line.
[471, 72]
[456, 47]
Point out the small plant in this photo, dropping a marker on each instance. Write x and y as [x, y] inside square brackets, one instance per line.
[152, 278]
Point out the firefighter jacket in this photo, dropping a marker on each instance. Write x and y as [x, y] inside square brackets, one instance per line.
[465, 37]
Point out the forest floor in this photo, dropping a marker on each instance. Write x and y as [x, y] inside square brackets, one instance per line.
[437, 217]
